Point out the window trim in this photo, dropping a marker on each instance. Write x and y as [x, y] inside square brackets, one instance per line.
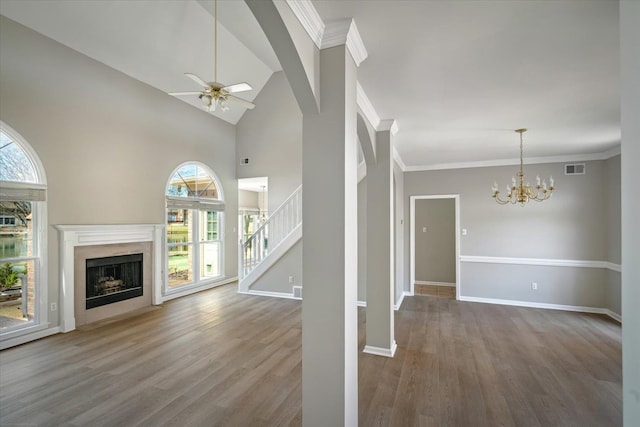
[40, 241]
[197, 204]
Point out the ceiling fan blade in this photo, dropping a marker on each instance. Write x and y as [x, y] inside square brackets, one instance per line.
[197, 79]
[240, 87]
[184, 93]
[242, 102]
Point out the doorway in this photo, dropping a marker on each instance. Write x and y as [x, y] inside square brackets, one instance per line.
[435, 244]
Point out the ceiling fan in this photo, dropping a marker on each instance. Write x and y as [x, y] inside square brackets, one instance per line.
[214, 94]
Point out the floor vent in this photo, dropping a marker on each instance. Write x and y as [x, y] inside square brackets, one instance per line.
[297, 292]
[574, 169]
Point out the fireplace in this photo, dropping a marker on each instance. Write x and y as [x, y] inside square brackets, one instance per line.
[82, 243]
[112, 279]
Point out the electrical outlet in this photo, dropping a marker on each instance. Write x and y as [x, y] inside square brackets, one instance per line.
[54, 306]
[534, 286]
[290, 279]
[424, 229]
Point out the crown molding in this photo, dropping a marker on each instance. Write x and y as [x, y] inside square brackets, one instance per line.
[605, 155]
[367, 107]
[388, 125]
[398, 159]
[309, 19]
[345, 31]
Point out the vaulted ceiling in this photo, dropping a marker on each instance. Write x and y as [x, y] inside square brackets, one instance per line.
[458, 76]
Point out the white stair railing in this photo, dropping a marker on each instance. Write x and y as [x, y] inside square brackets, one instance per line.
[269, 235]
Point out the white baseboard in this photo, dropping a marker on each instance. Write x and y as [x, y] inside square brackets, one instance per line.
[22, 339]
[548, 306]
[269, 294]
[423, 282]
[380, 351]
[615, 316]
[189, 291]
[396, 306]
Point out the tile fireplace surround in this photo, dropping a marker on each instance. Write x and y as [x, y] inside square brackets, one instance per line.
[72, 236]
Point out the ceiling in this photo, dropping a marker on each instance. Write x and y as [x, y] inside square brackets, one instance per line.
[457, 76]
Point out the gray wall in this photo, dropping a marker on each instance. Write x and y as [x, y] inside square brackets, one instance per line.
[573, 225]
[630, 108]
[271, 136]
[613, 206]
[399, 225]
[276, 279]
[435, 248]
[248, 199]
[362, 240]
[108, 143]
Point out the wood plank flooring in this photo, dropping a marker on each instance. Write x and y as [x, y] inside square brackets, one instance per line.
[219, 358]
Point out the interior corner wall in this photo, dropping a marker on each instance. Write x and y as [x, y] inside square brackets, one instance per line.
[613, 206]
[270, 135]
[108, 143]
[570, 226]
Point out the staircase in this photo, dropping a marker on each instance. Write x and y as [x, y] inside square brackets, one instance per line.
[271, 241]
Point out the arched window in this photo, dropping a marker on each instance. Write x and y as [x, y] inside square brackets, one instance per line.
[22, 237]
[195, 238]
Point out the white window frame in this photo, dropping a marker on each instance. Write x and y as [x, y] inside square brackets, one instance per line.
[197, 205]
[39, 217]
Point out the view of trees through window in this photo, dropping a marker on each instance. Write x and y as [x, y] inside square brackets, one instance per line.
[17, 256]
[194, 243]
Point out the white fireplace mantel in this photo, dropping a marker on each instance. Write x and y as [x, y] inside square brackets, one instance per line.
[70, 236]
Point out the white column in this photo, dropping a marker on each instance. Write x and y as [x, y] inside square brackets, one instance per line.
[630, 97]
[329, 206]
[380, 252]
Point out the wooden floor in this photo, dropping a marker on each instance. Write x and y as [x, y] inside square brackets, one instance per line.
[435, 291]
[220, 358]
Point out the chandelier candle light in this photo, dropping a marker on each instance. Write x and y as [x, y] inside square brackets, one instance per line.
[518, 192]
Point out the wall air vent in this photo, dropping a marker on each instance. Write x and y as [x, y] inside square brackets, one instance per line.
[297, 292]
[244, 161]
[574, 169]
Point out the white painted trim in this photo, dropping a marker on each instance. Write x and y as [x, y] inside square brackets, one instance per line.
[269, 294]
[345, 31]
[615, 316]
[398, 159]
[511, 162]
[366, 106]
[426, 282]
[542, 261]
[283, 247]
[390, 125]
[201, 287]
[398, 303]
[380, 351]
[309, 18]
[70, 236]
[362, 171]
[362, 303]
[412, 240]
[530, 304]
[25, 338]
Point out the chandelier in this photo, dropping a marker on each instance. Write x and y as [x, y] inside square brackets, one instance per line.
[518, 192]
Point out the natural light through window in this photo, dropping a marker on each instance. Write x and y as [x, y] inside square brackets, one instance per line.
[22, 199]
[195, 241]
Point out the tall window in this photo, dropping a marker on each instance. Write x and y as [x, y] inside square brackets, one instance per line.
[22, 221]
[195, 242]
